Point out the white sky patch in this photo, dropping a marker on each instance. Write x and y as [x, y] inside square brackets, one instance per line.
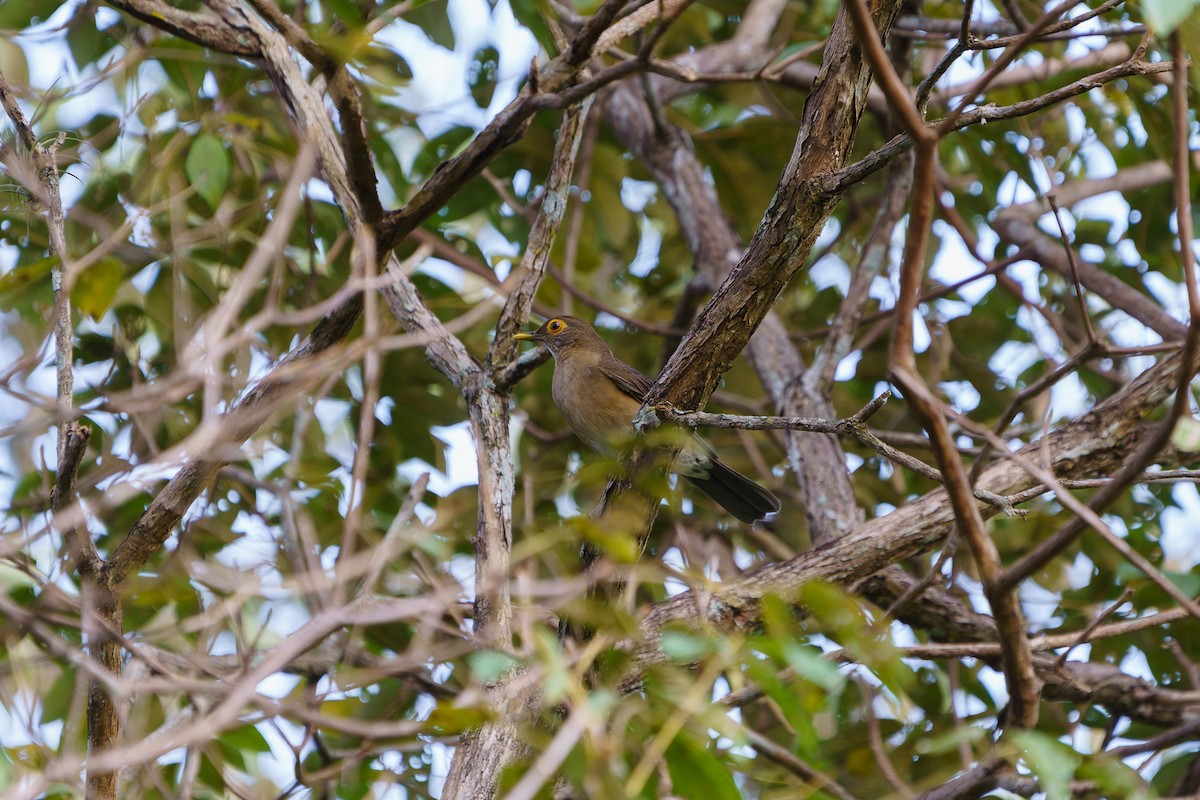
[752, 111]
[673, 559]
[744, 558]
[209, 88]
[829, 232]
[1039, 605]
[884, 291]
[974, 592]
[462, 469]
[143, 477]
[649, 245]
[566, 505]
[636, 195]
[962, 395]
[495, 245]
[1013, 190]
[1134, 663]
[43, 380]
[1012, 359]
[333, 415]
[46, 553]
[1080, 572]
[963, 70]
[254, 546]
[443, 272]
[1044, 336]
[45, 51]
[260, 365]
[439, 92]
[1077, 125]
[1125, 331]
[462, 569]
[1171, 295]
[1099, 164]
[223, 644]
[383, 410]
[608, 321]
[988, 241]
[920, 332]
[1069, 397]
[847, 368]
[279, 764]
[951, 309]
[439, 768]
[319, 190]
[830, 271]
[521, 181]
[1110, 206]
[1180, 542]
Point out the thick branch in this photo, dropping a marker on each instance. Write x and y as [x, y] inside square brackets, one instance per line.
[202, 29]
[1094, 443]
[789, 229]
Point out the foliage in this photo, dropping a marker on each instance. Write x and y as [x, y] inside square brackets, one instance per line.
[176, 163]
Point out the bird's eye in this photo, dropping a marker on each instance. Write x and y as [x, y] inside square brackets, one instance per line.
[555, 325]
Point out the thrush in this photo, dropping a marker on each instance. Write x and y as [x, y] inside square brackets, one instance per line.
[599, 395]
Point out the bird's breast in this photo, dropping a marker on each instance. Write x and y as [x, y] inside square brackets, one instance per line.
[599, 413]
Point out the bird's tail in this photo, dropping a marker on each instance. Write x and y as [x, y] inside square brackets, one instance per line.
[737, 494]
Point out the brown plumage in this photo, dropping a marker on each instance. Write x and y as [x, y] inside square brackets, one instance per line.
[599, 395]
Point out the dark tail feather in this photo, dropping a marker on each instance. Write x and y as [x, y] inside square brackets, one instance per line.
[737, 494]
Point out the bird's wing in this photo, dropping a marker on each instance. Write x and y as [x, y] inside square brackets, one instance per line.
[627, 379]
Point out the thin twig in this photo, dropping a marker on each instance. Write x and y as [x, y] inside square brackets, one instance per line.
[853, 426]
[1085, 634]
[878, 748]
[1080, 296]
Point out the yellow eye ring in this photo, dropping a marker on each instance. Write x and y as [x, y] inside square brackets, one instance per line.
[555, 325]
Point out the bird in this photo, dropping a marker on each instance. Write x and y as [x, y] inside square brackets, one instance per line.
[599, 395]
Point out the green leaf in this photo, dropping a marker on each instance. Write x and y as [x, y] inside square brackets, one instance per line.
[96, 287]
[446, 719]
[809, 665]
[1164, 16]
[482, 74]
[388, 68]
[1186, 435]
[247, 738]
[13, 63]
[87, 42]
[697, 774]
[12, 578]
[1114, 778]
[533, 15]
[431, 17]
[1052, 762]
[488, 666]
[950, 741]
[208, 168]
[685, 647]
[17, 14]
[57, 701]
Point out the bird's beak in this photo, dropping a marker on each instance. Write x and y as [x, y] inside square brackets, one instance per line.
[525, 337]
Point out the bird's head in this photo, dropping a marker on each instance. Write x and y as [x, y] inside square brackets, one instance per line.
[565, 333]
